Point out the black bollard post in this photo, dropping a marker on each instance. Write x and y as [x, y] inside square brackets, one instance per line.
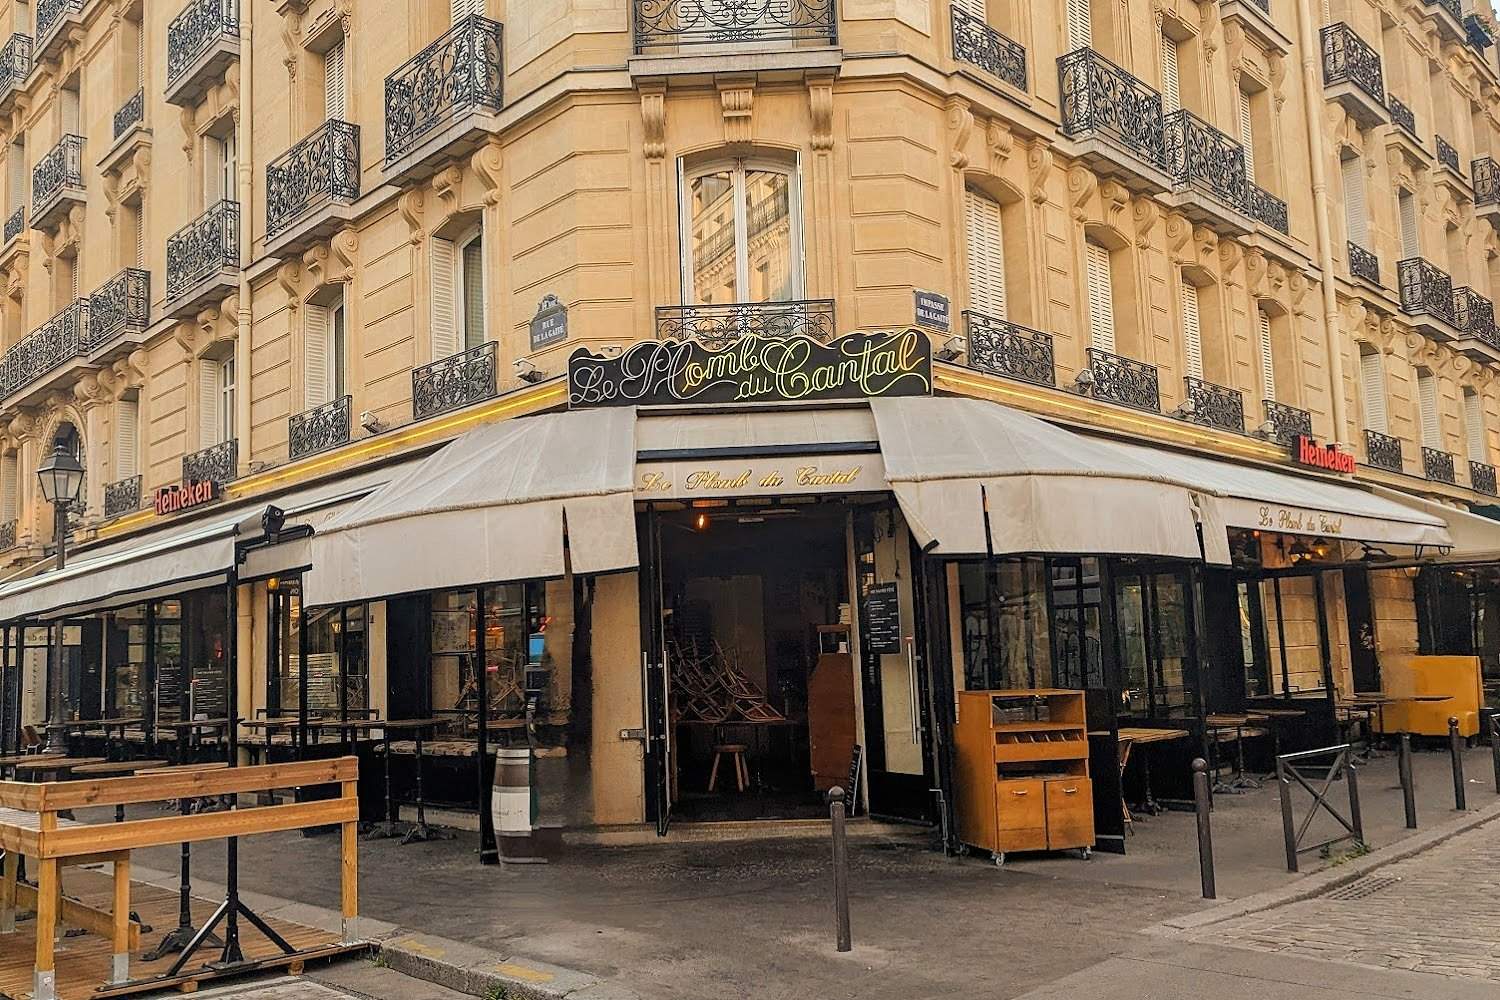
[1408, 789]
[1495, 747]
[840, 867]
[1455, 751]
[1205, 834]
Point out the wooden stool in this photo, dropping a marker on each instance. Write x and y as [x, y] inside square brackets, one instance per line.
[741, 770]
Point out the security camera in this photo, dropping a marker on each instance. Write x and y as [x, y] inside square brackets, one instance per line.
[528, 372]
[1083, 382]
[953, 348]
[371, 423]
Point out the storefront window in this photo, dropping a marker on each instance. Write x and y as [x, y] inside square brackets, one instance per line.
[1253, 651]
[1005, 634]
[1077, 653]
[1155, 635]
[125, 662]
[516, 654]
[338, 661]
[167, 644]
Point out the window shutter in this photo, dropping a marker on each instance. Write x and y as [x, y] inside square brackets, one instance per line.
[10, 484]
[1247, 136]
[210, 425]
[444, 326]
[127, 430]
[138, 219]
[1479, 450]
[1101, 299]
[1372, 379]
[334, 105]
[140, 53]
[464, 8]
[1171, 83]
[1192, 330]
[473, 276]
[986, 245]
[1080, 25]
[73, 266]
[1406, 205]
[1267, 359]
[315, 331]
[1355, 217]
[973, 7]
[1427, 396]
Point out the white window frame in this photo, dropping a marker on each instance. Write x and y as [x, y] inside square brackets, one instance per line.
[461, 291]
[739, 168]
[226, 378]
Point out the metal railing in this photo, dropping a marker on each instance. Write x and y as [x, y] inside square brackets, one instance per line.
[667, 24]
[1437, 465]
[50, 14]
[718, 325]
[1474, 315]
[1264, 207]
[132, 112]
[978, 44]
[1347, 58]
[121, 304]
[1000, 347]
[1426, 288]
[15, 225]
[1099, 97]
[1485, 175]
[1288, 420]
[1363, 263]
[15, 62]
[1317, 772]
[459, 73]
[217, 463]
[207, 245]
[321, 169]
[1216, 405]
[1403, 115]
[61, 168]
[1482, 477]
[122, 497]
[320, 428]
[47, 348]
[1451, 6]
[1199, 155]
[1264, 5]
[454, 382]
[1383, 451]
[8, 533]
[1446, 154]
[1124, 380]
[194, 30]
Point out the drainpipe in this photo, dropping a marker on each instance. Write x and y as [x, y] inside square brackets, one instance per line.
[246, 182]
[1312, 91]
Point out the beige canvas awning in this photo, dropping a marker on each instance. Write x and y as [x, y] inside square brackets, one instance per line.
[1473, 536]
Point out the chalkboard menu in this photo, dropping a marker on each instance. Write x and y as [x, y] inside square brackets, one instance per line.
[882, 619]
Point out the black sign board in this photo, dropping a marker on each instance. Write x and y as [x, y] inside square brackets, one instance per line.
[851, 787]
[550, 324]
[754, 369]
[882, 619]
[932, 310]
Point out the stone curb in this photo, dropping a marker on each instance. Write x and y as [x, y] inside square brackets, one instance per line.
[1324, 881]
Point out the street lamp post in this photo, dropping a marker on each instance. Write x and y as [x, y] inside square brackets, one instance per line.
[61, 477]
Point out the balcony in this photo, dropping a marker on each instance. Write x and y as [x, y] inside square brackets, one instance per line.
[203, 259]
[8, 533]
[15, 67]
[1286, 421]
[716, 326]
[1427, 296]
[1123, 380]
[1352, 75]
[1254, 16]
[978, 44]
[217, 463]
[202, 41]
[310, 189]
[55, 20]
[1475, 319]
[1485, 174]
[119, 311]
[1449, 16]
[1115, 119]
[52, 346]
[57, 184]
[455, 382]
[131, 114]
[15, 225]
[122, 497]
[1438, 465]
[1267, 209]
[746, 36]
[1403, 116]
[1482, 478]
[1214, 405]
[1446, 154]
[321, 428]
[1003, 348]
[1383, 451]
[1208, 172]
[444, 100]
[1362, 263]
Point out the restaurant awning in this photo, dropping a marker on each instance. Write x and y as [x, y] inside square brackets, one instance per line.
[492, 506]
[1474, 536]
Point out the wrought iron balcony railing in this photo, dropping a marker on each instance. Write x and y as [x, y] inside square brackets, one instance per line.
[1426, 289]
[1404, 116]
[1004, 348]
[667, 24]
[1266, 208]
[718, 325]
[1446, 154]
[978, 44]
[205, 246]
[1264, 5]
[1216, 405]
[459, 73]
[47, 348]
[194, 30]
[1475, 316]
[321, 169]
[122, 304]
[217, 463]
[1438, 465]
[1451, 6]
[15, 62]
[1124, 380]
[1486, 177]
[1347, 58]
[61, 168]
[1362, 263]
[15, 225]
[1289, 421]
[1199, 155]
[8, 533]
[122, 497]
[320, 428]
[453, 383]
[1100, 98]
[1383, 451]
[50, 14]
[1482, 477]
[133, 112]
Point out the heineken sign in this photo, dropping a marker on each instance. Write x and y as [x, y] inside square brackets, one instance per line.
[754, 369]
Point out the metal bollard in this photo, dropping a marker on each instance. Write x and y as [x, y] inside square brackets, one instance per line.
[1205, 834]
[1495, 747]
[1408, 789]
[840, 867]
[1455, 750]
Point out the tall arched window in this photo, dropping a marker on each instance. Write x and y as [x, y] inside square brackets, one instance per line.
[458, 293]
[741, 232]
[985, 242]
[1101, 297]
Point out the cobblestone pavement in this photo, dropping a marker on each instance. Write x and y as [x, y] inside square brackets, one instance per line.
[1437, 912]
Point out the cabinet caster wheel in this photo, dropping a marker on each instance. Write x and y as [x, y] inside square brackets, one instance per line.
[999, 859]
[1085, 853]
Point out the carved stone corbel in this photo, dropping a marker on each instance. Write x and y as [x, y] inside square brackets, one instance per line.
[820, 106]
[1039, 160]
[488, 166]
[737, 105]
[289, 277]
[410, 205]
[1082, 183]
[960, 127]
[654, 121]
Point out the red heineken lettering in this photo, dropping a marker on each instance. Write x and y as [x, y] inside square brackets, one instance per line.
[181, 496]
[1306, 451]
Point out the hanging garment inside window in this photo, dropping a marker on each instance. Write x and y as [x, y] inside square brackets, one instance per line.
[986, 249]
[1101, 298]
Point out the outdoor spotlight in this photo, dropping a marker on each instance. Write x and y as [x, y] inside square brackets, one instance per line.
[370, 422]
[953, 348]
[611, 350]
[528, 372]
[273, 520]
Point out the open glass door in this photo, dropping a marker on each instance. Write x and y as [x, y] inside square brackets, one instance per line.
[655, 678]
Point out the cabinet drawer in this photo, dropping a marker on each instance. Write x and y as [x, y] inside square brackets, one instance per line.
[1070, 813]
[1022, 804]
[1024, 840]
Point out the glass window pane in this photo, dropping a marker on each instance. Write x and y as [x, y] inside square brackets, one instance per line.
[1131, 613]
[1173, 691]
[453, 683]
[768, 244]
[973, 596]
[473, 281]
[711, 229]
